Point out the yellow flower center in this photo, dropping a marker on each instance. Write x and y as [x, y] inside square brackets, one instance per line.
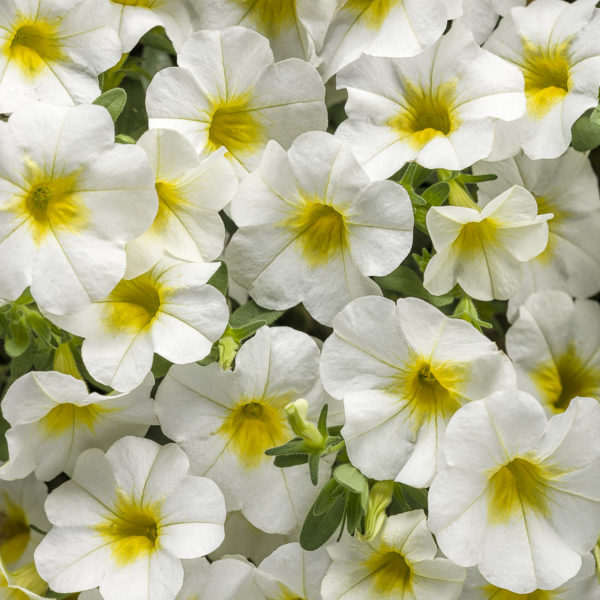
[561, 380]
[14, 531]
[371, 12]
[494, 593]
[390, 573]
[271, 16]
[133, 530]
[426, 114]
[68, 416]
[134, 303]
[26, 577]
[547, 79]
[143, 3]
[320, 231]
[34, 45]
[475, 236]
[170, 199]
[252, 427]
[235, 126]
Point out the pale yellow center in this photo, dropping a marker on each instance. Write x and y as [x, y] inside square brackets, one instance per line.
[14, 531]
[270, 16]
[142, 3]
[26, 577]
[170, 199]
[66, 417]
[475, 237]
[390, 574]
[372, 13]
[494, 593]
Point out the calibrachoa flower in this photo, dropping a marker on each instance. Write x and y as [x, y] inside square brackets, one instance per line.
[483, 249]
[291, 572]
[403, 369]
[227, 92]
[190, 193]
[225, 420]
[170, 310]
[437, 108]
[126, 519]
[519, 496]
[70, 198]
[557, 48]
[133, 18]
[53, 418]
[554, 347]
[584, 586]
[293, 27]
[481, 16]
[22, 584]
[567, 188]
[399, 563]
[313, 226]
[384, 28]
[54, 51]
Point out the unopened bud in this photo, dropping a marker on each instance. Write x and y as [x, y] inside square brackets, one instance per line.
[64, 361]
[296, 413]
[380, 497]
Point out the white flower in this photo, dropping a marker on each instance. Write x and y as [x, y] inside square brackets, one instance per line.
[190, 193]
[557, 47]
[53, 418]
[520, 496]
[437, 108]
[396, 29]
[126, 519]
[70, 198]
[584, 586]
[400, 563]
[46, 51]
[227, 92]
[402, 371]
[313, 226]
[294, 28]
[225, 420]
[567, 188]
[554, 347]
[170, 310]
[483, 249]
[481, 16]
[133, 18]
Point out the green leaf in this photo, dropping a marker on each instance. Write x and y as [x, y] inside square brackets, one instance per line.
[295, 446]
[133, 121]
[18, 343]
[160, 366]
[467, 178]
[220, 279]
[414, 498]
[586, 133]
[251, 313]
[157, 38]
[314, 461]
[291, 460]
[113, 101]
[322, 422]
[595, 116]
[317, 529]
[245, 331]
[436, 194]
[327, 497]
[351, 478]
[124, 139]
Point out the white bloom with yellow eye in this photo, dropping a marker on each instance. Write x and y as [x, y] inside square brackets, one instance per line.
[70, 199]
[567, 188]
[54, 51]
[437, 108]
[483, 249]
[53, 418]
[294, 28]
[190, 193]
[481, 16]
[23, 583]
[396, 28]
[399, 563]
[554, 347]
[228, 92]
[556, 46]
[518, 495]
[291, 573]
[133, 18]
[225, 420]
[402, 370]
[313, 227]
[584, 586]
[170, 310]
[125, 521]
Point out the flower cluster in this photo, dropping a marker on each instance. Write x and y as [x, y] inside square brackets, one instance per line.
[299, 299]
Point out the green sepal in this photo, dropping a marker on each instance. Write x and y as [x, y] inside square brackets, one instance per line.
[124, 139]
[350, 478]
[251, 313]
[295, 446]
[290, 460]
[467, 311]
[114, 101]
[469, 178]
[322, 422]
[314, 460]
[327, 497]
[436, 194]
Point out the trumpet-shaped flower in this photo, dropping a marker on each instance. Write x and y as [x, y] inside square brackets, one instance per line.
[399, 563]
[225, 420]
[125, 521]
[294, 28]
[190, 193]
[584, 586]
[53, 418]
[170, 310]
[519, 496]
[384, 28]
[54, 51]
[554, 345]
[567, 188]
[313, 226]
[437, 108]
[483, 249]
[133, 18]
[556, 47]
[402, 370]
[23, 583]
[291, 572]
[70, 198]
[481, 16]
[227, 92]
